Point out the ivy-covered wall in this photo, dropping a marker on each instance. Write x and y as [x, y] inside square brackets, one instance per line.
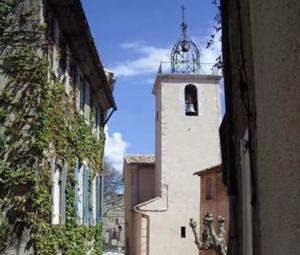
[39, 122]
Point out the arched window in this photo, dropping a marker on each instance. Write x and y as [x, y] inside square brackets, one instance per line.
[191, 100]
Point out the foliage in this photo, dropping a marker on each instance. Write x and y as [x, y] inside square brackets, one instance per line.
[113, 186]
[113, 182]
[39, 121]
[215, 35]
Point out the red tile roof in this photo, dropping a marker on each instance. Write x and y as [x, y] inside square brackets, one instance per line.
[140, 159]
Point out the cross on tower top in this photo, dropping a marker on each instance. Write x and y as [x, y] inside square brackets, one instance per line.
[183, 13]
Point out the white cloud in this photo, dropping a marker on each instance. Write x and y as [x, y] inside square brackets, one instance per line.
[147, 62]
[132, 45]
[149, 57]
[115, 149]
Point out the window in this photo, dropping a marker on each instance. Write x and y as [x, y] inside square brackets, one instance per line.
[86, 211]
[191, 100]
[85, 98]
[82, 93]
[62, 54]
[58, 194]
[56, 39]
[67, 69]
[97, 121]
[89, 208]
[87, 101]
[82, 196]
[79, 192]
[99, 197]
[209, 188]
[76, 190]
[183, 234]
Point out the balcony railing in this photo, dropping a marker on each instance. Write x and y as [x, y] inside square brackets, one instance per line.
[205, 69]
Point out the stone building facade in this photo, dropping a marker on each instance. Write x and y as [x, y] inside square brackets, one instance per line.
[260, 131]
[55, 98]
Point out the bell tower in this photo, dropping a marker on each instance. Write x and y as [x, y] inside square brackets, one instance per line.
[187, 139]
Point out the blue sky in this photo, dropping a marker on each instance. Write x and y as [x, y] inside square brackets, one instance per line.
[132, 37]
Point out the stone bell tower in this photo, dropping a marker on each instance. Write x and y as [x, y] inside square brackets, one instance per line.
[187, 140]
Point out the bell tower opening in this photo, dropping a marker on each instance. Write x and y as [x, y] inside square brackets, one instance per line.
[191, 100]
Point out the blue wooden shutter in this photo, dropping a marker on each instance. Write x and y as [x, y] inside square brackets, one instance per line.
[97, 199]
[76, 186]
[86, 195]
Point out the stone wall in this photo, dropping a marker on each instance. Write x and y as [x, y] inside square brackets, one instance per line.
[261, 49]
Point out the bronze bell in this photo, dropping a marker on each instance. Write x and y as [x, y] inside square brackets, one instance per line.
[185, 46]
[190, 109]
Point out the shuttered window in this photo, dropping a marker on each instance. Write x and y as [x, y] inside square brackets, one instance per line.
[87, 107]
[100, 198]
[97, 198]
[68, 69]
[86, 212]
[58, 194]
[76, 187]
[55, 60]
[82, 94]
[82, 198]
[209, 188]
[80, 194]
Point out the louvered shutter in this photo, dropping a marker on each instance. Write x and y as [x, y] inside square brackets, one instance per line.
[76, 186]
[87, 101]
[93, 218]
[86, 196]
[97, 199]
[63, 196]
[80, 204]
[67, 71]
[101, 186]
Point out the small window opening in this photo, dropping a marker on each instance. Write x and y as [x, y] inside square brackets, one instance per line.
[62, 54]
[183, 234]
[209, 189]
[82, 93]
[191, 100]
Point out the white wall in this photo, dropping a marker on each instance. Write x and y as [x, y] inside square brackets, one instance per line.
[185, 144]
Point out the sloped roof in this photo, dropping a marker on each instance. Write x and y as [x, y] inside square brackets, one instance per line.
[213, 169]
[75, 28]
[140, 159]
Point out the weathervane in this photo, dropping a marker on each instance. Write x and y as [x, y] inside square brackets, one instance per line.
[185, 56]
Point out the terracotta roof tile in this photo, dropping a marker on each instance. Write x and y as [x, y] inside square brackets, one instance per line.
[140, 159]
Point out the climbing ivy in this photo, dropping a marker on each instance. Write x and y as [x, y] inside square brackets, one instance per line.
[38, 121]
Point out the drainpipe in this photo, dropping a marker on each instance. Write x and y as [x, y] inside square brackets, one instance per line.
[109, 115]
[137, 209]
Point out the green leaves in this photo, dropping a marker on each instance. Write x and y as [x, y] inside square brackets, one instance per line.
[37, 113]
[34, 114]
